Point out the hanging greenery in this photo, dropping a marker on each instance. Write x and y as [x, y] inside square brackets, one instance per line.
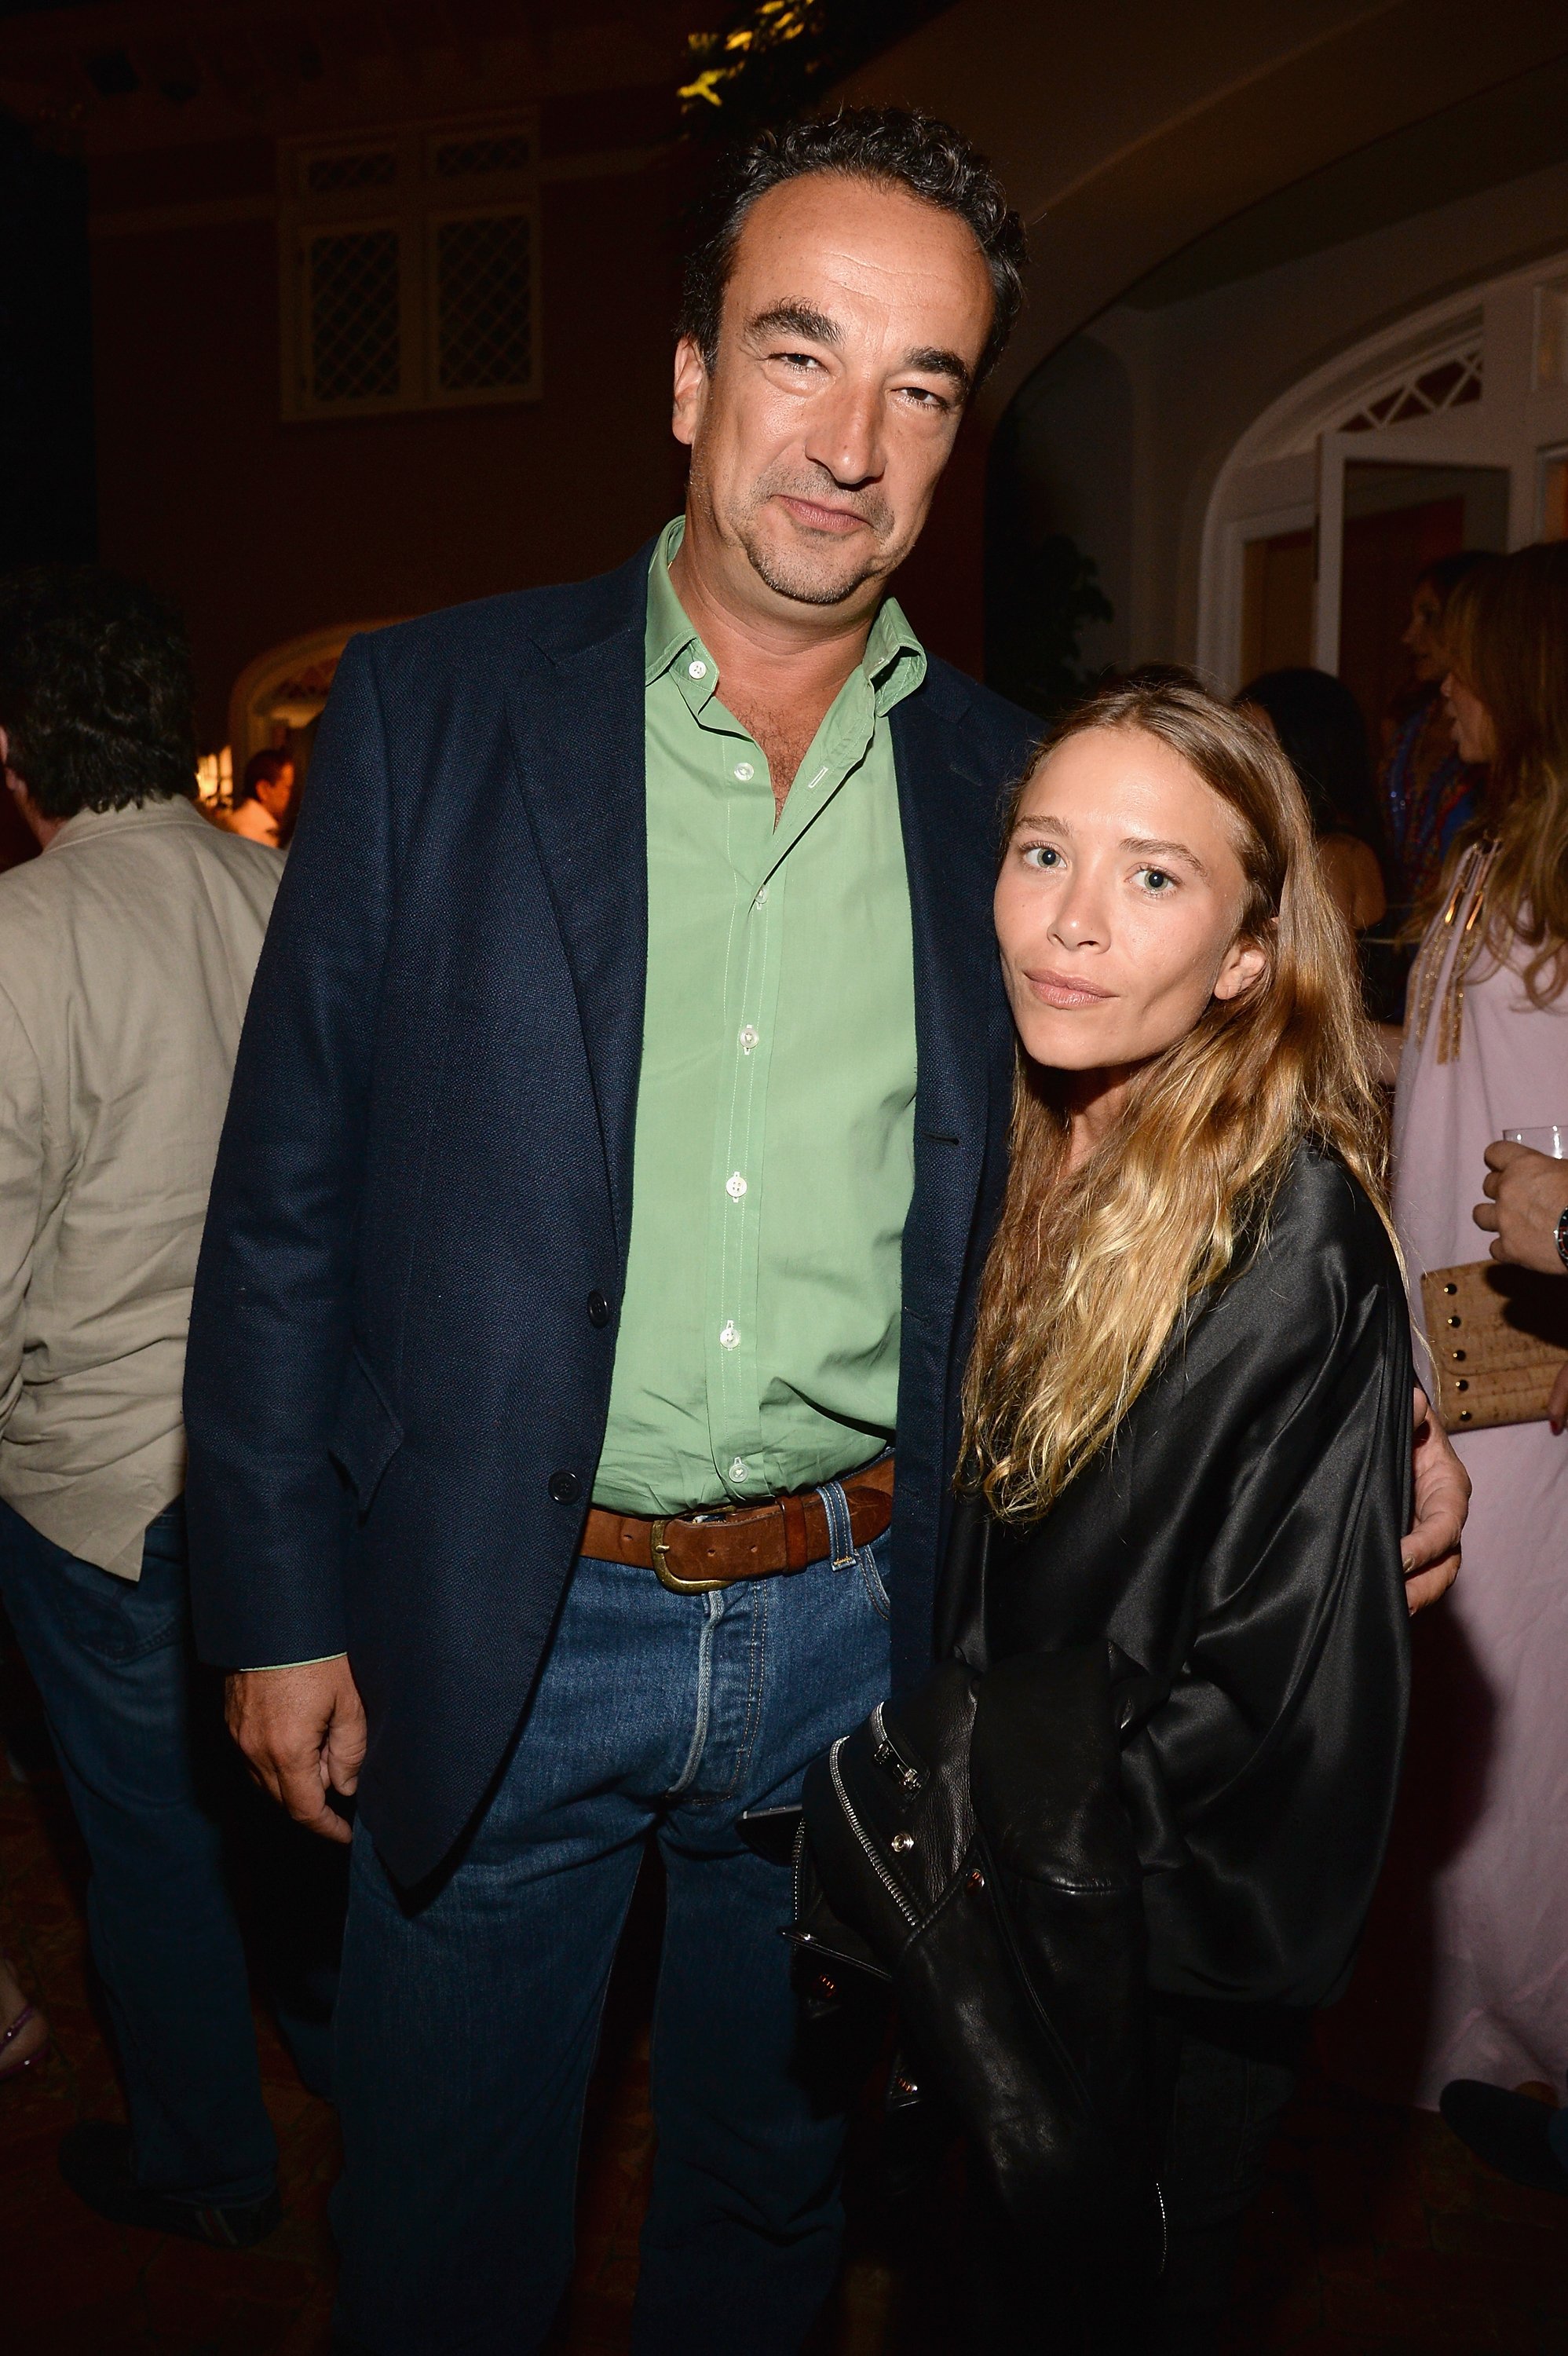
[774, 59]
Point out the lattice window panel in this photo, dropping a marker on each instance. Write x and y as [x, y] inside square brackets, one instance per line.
[483, 339]
[353, 316]
[468, 159]
[327, 175]
[1450, 383]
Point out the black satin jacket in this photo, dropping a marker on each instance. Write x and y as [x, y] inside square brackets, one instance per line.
[1239, 1545]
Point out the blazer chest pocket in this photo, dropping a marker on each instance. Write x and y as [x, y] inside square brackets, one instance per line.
[367, 1435]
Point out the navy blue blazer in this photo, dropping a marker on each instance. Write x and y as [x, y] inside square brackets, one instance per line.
[404, 1321]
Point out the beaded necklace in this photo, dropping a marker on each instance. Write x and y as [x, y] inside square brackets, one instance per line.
[1466, 909]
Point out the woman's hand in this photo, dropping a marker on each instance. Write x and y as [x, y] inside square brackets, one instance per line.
[1431, 1551]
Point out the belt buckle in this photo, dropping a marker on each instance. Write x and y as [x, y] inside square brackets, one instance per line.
[672, 1579]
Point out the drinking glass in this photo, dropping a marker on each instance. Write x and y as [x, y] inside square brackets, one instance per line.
[1552, 1139]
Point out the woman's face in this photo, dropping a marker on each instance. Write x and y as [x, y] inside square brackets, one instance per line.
[1421, 633]
[1473, 732]
[1118, 903]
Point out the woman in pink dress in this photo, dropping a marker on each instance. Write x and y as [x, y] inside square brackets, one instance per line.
[1478, 1875]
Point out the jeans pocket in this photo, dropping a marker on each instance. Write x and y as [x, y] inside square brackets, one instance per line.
[121, 1619]
[872, 1576]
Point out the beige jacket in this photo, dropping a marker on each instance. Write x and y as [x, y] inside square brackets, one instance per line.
[126, 955]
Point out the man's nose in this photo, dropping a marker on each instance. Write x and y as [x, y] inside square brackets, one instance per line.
[847, 436]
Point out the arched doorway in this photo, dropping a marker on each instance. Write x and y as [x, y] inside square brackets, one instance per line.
[1447, 429]
[279, 698]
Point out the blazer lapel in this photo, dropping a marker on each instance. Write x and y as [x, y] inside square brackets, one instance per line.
[578, 731]
[948, 851]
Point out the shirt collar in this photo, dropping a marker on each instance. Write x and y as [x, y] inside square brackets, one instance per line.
[158, 809]
[894, 662]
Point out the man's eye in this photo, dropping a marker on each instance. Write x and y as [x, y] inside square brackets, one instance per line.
[798, 360]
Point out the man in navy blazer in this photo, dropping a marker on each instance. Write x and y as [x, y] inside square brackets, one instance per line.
[615, 1139]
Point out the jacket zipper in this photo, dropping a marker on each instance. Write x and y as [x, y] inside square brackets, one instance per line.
[853, 1821]
[890, 1759]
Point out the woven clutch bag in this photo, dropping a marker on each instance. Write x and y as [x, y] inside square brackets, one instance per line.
[1498, 1335]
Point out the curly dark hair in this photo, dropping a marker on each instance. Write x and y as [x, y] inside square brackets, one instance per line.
[894, 144]
[95, 690]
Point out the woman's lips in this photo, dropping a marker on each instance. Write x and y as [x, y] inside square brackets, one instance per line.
[1061, 990]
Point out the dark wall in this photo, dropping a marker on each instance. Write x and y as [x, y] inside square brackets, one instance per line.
[264, 529]
[47, 496]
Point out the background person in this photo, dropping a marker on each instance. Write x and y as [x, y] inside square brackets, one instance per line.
[263, 808]
[1319, 723]
[1430, 790]
[1526, 1213]
[1227, 1506]
[126, 953]
[1486, 1048]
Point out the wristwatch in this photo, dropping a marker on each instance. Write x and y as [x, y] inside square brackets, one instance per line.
[1563, 1236]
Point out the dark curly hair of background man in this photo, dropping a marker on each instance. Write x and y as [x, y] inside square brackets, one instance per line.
[95, 691]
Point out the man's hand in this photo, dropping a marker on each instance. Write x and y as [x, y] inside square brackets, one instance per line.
[302, 1732]
[1431, 1552]
[1528, 1192]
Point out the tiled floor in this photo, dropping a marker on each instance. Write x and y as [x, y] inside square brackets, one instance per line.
[1377, 2232]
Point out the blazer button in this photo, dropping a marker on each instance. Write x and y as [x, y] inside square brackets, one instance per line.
[565, 1487]
[599, 1309]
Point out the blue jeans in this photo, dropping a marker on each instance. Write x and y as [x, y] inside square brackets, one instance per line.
[112, 1661]
[468, 2017]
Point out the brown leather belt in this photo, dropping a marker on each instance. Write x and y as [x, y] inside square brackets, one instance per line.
[712, 1547]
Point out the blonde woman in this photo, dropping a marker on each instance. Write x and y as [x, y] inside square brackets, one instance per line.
[1476, 1972]
[1187, 1404]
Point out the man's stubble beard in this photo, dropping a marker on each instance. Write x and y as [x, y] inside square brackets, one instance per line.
[804, 588]
[801, 582]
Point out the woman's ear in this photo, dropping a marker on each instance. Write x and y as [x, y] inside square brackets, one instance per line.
[1246, 963]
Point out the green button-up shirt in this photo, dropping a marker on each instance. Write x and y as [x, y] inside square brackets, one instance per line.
[774, 1149]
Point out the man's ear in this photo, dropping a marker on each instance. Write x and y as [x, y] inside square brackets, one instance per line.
[691, 390]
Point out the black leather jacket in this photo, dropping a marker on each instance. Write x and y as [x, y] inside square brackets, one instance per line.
[1239, 1545]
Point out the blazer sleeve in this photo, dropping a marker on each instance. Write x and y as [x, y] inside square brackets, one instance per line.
[1263, 1752]
[268, 1517]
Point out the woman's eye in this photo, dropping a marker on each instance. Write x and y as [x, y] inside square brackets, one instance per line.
[1157, 881]
[1043, 854]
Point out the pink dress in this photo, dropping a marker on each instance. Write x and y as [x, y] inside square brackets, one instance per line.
[1476, 1901]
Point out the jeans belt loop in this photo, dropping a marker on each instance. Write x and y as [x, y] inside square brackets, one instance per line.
[840, 1531]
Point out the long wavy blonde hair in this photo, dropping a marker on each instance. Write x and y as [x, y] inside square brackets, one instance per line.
[1505, 632]
[1090, 1271]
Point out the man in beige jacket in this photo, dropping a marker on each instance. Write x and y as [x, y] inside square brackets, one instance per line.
[126, 955]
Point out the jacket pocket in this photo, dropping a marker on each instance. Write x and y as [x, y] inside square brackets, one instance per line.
[367, 1435]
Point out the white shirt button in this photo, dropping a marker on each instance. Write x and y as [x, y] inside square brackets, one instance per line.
[730, 1336]
[697, 670]
[734, 1186]
[761, 899]
[744, 771]
[738, 1469]
[749, 1038]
